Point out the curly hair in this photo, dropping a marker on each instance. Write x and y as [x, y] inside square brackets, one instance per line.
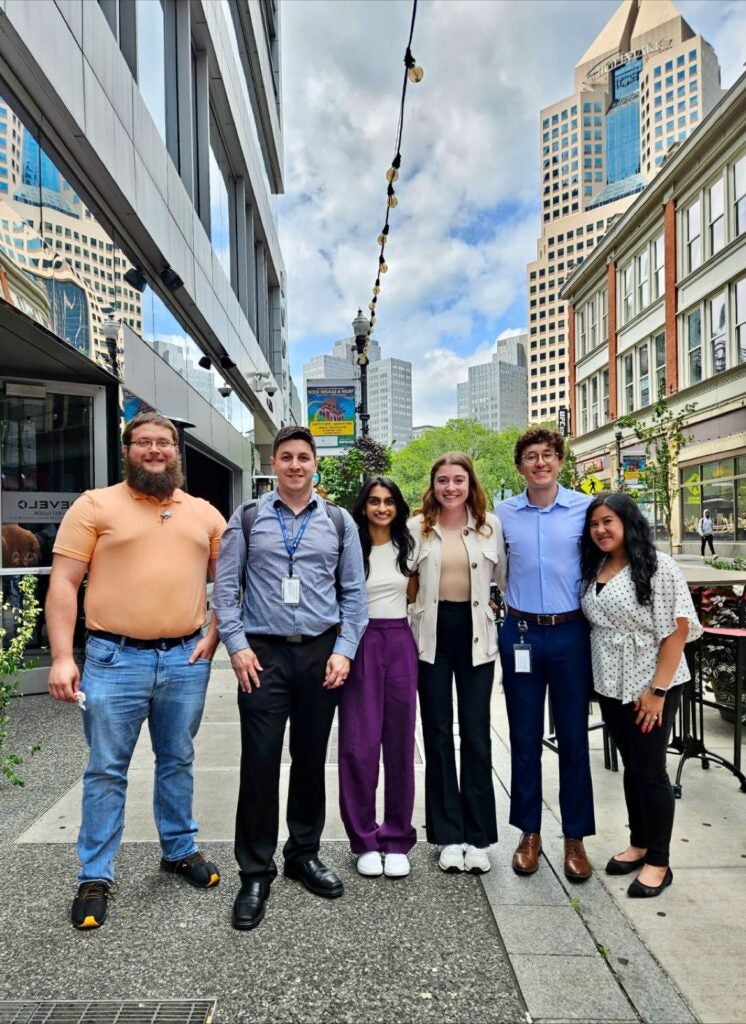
[476, 500]
[638, 543]
[402, 539]
[539, 435]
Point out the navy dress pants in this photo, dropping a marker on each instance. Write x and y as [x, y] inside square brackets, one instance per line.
[561, 663]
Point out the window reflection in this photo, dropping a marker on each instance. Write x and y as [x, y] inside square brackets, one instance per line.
[151, 69]
[221, 200]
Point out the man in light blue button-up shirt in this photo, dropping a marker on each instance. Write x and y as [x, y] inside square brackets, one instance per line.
[542, 528]
[291, 636]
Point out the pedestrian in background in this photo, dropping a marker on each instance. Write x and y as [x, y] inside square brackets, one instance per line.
[641, 615]
[706, 530]
[291, 607]
[460, 554]
[147, 548]
[544, 645]
[378, 704]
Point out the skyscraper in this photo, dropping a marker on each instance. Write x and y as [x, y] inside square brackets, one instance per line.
[642, 87]
[495, 394]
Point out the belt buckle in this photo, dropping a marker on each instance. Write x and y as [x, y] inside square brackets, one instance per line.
[546, 620]
[296, 638]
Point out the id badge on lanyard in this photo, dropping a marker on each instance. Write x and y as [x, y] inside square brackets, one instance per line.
[522, 651]
[290, 583]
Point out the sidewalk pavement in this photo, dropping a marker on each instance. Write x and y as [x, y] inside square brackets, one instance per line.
[430, 948]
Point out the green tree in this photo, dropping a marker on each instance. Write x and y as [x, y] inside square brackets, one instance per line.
[663, 438]
[492, 454]
[342, 475]
[24, 619]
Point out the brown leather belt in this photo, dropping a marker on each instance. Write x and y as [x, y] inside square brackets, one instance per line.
[547, 620]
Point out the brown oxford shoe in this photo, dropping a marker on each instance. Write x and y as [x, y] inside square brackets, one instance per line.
[526, 856]
[577, 865]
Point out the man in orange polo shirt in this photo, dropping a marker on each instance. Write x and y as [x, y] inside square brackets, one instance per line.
[147, 547]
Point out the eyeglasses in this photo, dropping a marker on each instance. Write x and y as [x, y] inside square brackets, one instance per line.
[147, 442]
[533, 457]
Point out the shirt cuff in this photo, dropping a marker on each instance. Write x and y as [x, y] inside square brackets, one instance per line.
[235, 643]
[343, 646]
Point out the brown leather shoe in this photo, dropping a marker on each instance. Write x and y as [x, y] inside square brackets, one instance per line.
[526, 856]
[577, 865]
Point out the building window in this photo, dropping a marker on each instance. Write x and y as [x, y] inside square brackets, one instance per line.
[716, 214]
[643, 369]
[739, 194]
[222, 202]
[151, 60]
[643, 280]
[628, 299]
[693, 237]
[741, 320]
[583, 408]
[582, 341]
[716, 332]
[694, 345]
[604, 315]
[629, 384]
[658, 268]
[594, 402]
[659, 354]
[592, 316]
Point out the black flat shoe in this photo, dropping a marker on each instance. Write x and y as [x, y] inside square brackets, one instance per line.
[623, 867]
[251, 902]
[316, 877]
[638, 890]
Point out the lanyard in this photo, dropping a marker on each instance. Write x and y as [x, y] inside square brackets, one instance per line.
[291, 546]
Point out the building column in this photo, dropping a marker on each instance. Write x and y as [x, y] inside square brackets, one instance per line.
[612, 343]
[670, 296]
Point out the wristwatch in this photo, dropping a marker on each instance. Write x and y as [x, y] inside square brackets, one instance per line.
[658, 691]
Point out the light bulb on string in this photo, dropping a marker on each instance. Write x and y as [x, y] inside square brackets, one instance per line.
[383, 266]
[382, 238]
[392, 174]
[392, 201]
[376, 288]
[415, 74]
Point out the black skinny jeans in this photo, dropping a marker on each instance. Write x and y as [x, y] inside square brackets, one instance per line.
[647, 787]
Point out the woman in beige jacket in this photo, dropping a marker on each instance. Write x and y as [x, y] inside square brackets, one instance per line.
[461, 552]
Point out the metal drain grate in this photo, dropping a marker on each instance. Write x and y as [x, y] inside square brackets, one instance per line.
[155, 1011]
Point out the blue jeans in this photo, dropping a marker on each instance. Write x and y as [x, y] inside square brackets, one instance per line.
[123, 687]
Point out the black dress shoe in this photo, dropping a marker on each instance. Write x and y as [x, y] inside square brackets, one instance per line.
[638, 890]
[250, 904]
[316, 877]
[623, 867]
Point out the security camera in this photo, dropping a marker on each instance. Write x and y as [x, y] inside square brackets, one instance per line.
[226, 390]
[271, 389]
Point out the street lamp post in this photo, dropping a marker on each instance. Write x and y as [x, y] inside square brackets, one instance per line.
[619, 471]
[361, 327]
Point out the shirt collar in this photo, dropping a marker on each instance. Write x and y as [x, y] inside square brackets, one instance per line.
[276, 501]
[562, 498]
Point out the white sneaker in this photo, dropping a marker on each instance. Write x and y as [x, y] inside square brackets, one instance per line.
[370, 864]
[452, 858]
[396, 865]
[476, 861]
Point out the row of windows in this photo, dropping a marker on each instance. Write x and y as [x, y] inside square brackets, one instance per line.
[715, 333]
[641, 281]
[717, 216]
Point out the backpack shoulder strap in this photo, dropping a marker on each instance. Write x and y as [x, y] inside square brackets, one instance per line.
[338, 519]
[248, 515]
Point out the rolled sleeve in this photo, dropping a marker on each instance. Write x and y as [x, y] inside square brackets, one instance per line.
[672, 601]
[228, 587]
[353, 599]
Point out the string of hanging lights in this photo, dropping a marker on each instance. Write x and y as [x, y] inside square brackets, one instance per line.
[412, 73]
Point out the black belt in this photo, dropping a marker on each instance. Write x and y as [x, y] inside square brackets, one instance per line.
[293, 638]
[545, 619]
[162, 643]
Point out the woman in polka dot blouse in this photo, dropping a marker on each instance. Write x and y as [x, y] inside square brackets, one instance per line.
[641, 615]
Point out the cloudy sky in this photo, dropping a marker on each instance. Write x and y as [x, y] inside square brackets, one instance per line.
[468, 214]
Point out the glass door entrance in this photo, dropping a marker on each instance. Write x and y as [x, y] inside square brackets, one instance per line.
[47, 459]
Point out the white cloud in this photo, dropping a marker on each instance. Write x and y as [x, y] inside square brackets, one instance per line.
[468, 214]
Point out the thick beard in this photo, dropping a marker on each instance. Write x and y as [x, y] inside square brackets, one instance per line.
[155, 485]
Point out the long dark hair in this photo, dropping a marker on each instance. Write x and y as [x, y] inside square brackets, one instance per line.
[402, 539]
[638, 542]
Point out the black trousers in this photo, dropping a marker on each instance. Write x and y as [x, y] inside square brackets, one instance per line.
[291, 687]
[453, 814]
[707, 539]
[647, 787]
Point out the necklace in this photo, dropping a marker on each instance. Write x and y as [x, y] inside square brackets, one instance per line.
[613, 572]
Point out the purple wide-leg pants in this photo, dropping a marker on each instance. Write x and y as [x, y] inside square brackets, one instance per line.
[377, 712]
